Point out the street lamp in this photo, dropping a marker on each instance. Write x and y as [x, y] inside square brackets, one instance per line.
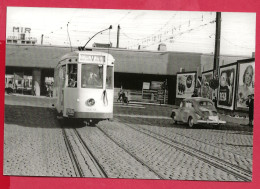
[82, 48]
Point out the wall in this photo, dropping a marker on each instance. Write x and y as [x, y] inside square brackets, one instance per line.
[187, 61]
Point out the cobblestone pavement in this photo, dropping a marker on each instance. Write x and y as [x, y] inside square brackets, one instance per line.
[165, 159]
[239, 142]
[116, 162]
[34, 145]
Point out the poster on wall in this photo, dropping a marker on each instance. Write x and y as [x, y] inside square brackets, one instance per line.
[206, 91]
[156, 85]
[146, 85]
[185, 84]
[227, 83]
[246, 83]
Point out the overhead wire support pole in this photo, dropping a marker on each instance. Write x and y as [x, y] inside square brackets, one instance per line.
[118, 33]
[42, 39]
[217, 43]
[110, 27]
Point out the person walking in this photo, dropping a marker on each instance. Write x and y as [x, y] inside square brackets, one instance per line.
[250, 104]
[120, 95]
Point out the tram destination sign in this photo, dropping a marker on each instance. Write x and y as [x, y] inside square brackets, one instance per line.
[86, 58]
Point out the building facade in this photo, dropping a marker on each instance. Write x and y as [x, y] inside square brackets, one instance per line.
[133, 68]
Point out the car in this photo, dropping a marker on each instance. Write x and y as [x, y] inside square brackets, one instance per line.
[197, 110]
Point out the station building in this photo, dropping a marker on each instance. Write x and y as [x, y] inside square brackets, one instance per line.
[34, 65]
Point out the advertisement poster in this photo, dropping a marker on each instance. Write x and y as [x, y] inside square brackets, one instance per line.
[246, 83]
[185, 84]
[227, 83]
[206, 91]
[156, 85]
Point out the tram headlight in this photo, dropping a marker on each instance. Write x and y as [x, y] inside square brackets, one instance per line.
[90, 102]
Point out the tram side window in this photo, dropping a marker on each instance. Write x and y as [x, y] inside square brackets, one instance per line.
[92, 76]
[72, 75]
[109, 79]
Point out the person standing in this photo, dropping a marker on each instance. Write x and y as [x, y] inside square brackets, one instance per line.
[195, 93]
[250, 104]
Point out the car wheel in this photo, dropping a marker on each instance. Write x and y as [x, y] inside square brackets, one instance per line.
[190, 122]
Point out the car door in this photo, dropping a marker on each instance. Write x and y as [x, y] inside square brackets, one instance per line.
[183, 111]
[187, 111]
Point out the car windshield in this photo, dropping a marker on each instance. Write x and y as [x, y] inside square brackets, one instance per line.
[205, 103]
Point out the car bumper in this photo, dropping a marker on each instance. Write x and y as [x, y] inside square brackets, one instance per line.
[210, 122]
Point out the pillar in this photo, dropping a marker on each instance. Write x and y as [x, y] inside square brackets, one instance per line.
[36, 74]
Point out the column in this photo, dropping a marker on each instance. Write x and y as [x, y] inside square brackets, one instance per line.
[36, 74]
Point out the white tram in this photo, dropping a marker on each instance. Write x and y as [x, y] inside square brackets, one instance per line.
[84, 85]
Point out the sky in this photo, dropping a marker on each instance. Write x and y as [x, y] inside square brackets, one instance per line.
[179, 31]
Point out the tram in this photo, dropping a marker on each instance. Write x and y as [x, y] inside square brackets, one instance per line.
[84, 86]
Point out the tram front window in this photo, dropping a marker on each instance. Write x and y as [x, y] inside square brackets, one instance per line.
[92, 76]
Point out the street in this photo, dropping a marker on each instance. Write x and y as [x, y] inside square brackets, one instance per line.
[141, 142]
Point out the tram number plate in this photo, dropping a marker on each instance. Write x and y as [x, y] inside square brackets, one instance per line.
[91, 109]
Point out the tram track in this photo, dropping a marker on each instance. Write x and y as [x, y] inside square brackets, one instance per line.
[160, 176]
[218, 163]
[74, 157]
[99, 168]
[194, 139]
[238, 172]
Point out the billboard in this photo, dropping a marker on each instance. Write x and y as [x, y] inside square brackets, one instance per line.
[185, 84]
[227, 84]
[246, 83]
[206, 91]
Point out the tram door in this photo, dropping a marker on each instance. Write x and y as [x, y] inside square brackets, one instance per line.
[61, 85]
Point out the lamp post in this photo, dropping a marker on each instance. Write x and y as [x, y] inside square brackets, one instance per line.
[82, 48]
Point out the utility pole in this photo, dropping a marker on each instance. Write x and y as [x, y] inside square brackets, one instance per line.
[118, 33]
[217, 43]
[42, 39]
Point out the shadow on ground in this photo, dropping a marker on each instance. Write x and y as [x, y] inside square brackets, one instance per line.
[40, 117]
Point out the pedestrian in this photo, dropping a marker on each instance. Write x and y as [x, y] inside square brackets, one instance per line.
[195, 93]
[250, 104]
[215, 102]
[120, 94]
[34, 90]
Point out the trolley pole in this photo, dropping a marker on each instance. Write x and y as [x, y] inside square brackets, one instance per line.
[42, 39]
[118, 33]
[217, 43]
